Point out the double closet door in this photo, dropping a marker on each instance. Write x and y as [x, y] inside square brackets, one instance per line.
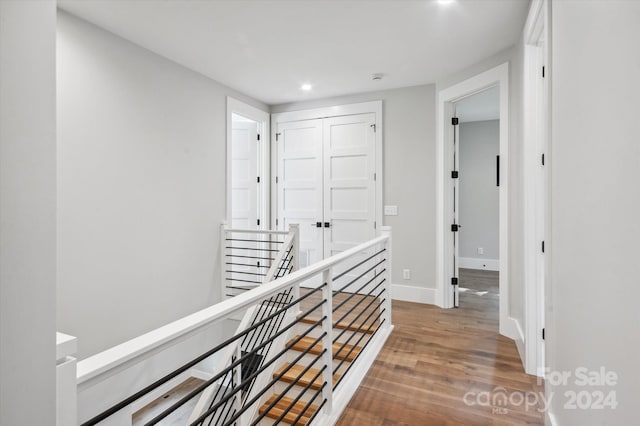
[325, 182]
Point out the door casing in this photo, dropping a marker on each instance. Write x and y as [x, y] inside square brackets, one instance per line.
[444, 208]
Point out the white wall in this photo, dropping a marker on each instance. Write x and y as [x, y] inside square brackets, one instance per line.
[515, 57]
[27, 213]
[141, 191]
[595, 160]
[409, 179]
[479, 195]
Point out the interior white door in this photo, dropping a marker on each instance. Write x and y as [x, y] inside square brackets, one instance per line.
[349, 186]
[244, 166]
[299, 184]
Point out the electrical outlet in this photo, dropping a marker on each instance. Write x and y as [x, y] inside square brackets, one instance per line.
[406, 274]
[480, 250]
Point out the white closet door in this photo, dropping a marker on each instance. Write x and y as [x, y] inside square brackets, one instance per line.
[349, 185]
[299, 184]
[244, 166]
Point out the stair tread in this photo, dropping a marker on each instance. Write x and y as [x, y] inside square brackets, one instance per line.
[283, 404]
[295, 370]
[368, 328]
[344, 354]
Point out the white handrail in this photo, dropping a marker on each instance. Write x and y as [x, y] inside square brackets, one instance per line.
[256, 231]
[107, 360]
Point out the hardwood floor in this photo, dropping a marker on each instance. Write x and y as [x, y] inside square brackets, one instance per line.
[435, 357]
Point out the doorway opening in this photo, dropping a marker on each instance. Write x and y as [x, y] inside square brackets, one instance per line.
[447, 268]
[247, 166]
[477, 199]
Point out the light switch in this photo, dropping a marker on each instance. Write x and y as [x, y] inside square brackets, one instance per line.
[391, 210]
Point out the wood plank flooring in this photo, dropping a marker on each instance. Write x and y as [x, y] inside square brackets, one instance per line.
[436, 356]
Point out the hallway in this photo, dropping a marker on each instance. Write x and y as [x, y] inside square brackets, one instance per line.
[435, 357]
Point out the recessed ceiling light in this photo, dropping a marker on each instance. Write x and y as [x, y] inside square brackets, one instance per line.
[306, 87]
[443, 2]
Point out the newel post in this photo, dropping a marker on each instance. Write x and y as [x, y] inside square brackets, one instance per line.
[327, 340]
[295, 261]
[223, 275]
[66, 381]
[385, 231]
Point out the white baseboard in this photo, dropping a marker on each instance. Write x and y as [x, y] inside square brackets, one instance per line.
[478, 263]
[411, 293]
[510, 327]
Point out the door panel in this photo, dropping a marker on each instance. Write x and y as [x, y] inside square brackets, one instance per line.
[299, 186]
[244, 166]
[349, 193]
[349, 190]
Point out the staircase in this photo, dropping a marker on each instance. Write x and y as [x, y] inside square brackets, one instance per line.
[290, 359]
[286, 403]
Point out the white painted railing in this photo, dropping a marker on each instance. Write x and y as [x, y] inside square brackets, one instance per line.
[352, 316]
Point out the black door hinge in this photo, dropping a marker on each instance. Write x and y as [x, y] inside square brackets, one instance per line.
[258, 179]
[454, 121]
[454, 174]
[454, 227]
[454, 281]
[277, 136]
[276, 179]
[258, 222]
[543, 159]
[543, 71]
[258, 136]
[543, 246]
[543, 334]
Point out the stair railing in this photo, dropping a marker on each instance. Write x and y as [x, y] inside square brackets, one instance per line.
[252, 257]
[322, 340]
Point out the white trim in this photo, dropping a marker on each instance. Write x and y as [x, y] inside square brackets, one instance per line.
[536, 190]
[551, 418]
[479, 263]
[374, 107]
[347, 389]
[513, 328]
[413, 293]
[264, 122]
[444, 249]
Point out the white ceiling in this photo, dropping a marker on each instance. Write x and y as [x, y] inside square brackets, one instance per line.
[268, 48]
[480, 107]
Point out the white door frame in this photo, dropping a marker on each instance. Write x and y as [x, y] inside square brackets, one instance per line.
[263, 119]
[444, 150]
[536, 189]
[328, 112]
